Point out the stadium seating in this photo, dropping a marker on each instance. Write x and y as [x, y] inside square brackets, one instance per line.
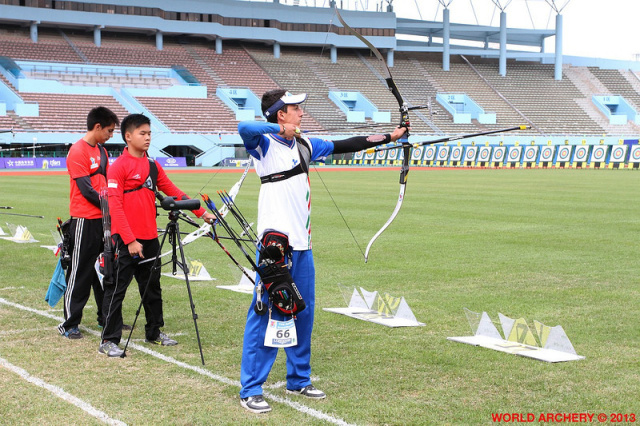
[527, 94]
[191, 115]
[550, 104]
[66, 113]
[618, 82]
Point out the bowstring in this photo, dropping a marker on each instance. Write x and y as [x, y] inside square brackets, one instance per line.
[338, 208]
[326, 188]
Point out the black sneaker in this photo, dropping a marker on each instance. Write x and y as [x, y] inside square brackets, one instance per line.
[162, 340]
[255, 404]
[309, 391]
[73, 333]
[110, 349]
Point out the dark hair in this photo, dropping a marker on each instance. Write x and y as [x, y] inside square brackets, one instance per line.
[132, 122]
[102, 116]
[270, 98]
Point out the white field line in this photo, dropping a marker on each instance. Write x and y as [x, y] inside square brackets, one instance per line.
[60, 393]
[295, 405]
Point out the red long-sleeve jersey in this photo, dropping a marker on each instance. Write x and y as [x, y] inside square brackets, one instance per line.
[133, 214]
[82, 160]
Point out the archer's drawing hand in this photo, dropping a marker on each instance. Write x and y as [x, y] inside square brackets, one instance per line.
[289, 131]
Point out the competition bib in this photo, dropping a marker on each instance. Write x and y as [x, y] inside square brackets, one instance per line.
[281, 334]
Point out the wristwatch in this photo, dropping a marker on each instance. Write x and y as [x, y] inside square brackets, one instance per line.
[284, 129]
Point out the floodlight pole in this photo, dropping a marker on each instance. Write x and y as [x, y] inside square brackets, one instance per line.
[558, 9]
[446, 34]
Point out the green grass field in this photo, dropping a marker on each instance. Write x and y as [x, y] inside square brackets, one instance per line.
[557, 246]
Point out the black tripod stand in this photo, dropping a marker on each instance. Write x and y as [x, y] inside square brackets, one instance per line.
[172, 231]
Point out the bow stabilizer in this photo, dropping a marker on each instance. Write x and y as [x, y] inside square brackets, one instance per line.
[446, 139]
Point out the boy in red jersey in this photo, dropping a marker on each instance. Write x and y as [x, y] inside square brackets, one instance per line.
[87, 164]
[132, 181]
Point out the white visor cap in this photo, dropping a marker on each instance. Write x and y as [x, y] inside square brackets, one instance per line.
[286, 99]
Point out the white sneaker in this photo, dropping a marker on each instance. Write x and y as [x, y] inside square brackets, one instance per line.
[255, 404]
[309, 391]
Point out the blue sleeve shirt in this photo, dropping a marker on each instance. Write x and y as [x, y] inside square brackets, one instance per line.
[253, 134]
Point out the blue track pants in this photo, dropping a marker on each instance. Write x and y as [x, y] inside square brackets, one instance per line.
[258, 359]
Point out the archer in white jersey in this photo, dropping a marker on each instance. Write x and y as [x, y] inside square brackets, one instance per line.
[284, 208]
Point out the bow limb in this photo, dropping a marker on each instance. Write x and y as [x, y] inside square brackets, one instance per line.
[404, 171]
[404, 122]
[404, 108]
[233, 192]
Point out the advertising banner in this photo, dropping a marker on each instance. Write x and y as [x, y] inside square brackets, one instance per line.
[19, 163]
[51, 163]
[169, 162]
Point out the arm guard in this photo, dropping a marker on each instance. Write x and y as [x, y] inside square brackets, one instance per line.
[358, 143]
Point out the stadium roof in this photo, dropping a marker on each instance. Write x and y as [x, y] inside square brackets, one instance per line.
[479, 33]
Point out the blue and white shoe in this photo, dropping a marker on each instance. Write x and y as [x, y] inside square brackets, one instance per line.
[309, 391]
[255, 404]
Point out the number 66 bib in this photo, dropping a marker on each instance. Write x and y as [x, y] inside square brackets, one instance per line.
[281, 334]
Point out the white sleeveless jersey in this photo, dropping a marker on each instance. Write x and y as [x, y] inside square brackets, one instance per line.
[285, 205]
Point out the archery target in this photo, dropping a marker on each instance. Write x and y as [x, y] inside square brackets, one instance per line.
[546, 153]
[358, 155]
[443, 153]
[470, 153]
[369, 155]
[599, 153]
[634, 157]
[381, 155]
[530, 154]
[581, 154]
[514, 155]
[564, 153]
[429, 153]
[392, 154]
[498, 154]
[416, 153]
[456, 153]
[484, 154]
[618, 153]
